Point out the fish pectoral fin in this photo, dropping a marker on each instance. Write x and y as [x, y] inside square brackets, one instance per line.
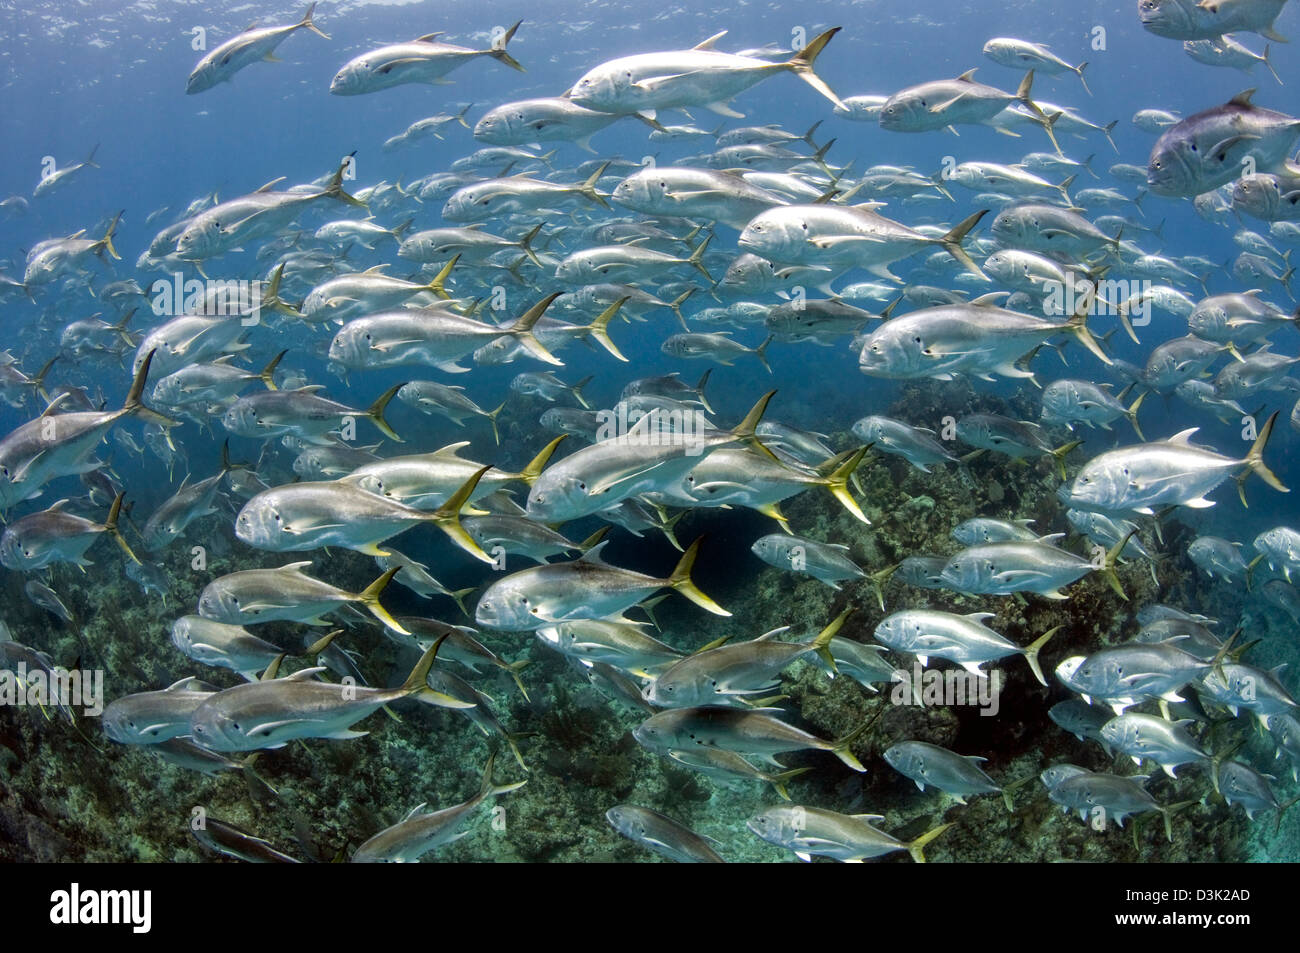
[344, 734]
[831, 241]
[301, 528]
[610, 482]
[403, 61]
[945, 106]
[263, 606]
[722, 109]
[1220, 150]
[654, 83]
[1013, 576]
[266, 727]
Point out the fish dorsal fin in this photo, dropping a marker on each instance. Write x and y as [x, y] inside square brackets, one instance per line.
[966, 76]
[868, 817]
[712, 41]
[297, 567]
[271, 184]
[979, 616]
[57, 506]
[1242, 98]
[185, 684]
[376, 269]
[594, 556]
[1184, 437]
[991, 299]
[303, 674]
[54, 404]
[769, 636]
[429, 37]
[416, 810]
[451, 450]
[309, 389]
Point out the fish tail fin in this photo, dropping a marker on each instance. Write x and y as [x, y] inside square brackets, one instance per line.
[1107, 130]
[599, 329]
[1132, 414]
[492, 416]
[459, 596]
[696, 260]
[110, 526]
[271, 296]
[498, 50]
[952, 243]
[1268, 63]
[134, 403]
[38, 382]
[439, 283]
[760, 352]
[1255, 462]
[1108, 567]
[915, 847]
[819, 157]
[803, 62]
[514, 668]
[837, 482]
[1170, 811]
[745, 430]
[522, 330]
[307, 23]
[1063, 451]
[1078, 71]
[1064, 189]
[106, 243]
[1031, 653]
[680, 580]
[878, 580]
[588, 188]
[822, 644]
[537, 464]
[779, 781]
[1250, 571]
[376, 412]
[1078, 326]
[334, 189]
[369, 597]
[704, 379]
[576, 391]
[267, 374]
[526, 244]
[512, 739]
[676, 305]
[1007, 789]
[447, 517]
[90, 159]
[417, 681]
[668, 528]
[841, 748]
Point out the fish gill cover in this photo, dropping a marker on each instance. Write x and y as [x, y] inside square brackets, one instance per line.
[634, 434]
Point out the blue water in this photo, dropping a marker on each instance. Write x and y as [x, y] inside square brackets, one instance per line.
[113, 73]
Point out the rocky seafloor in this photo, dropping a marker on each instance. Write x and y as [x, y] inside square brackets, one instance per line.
[68, 794]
